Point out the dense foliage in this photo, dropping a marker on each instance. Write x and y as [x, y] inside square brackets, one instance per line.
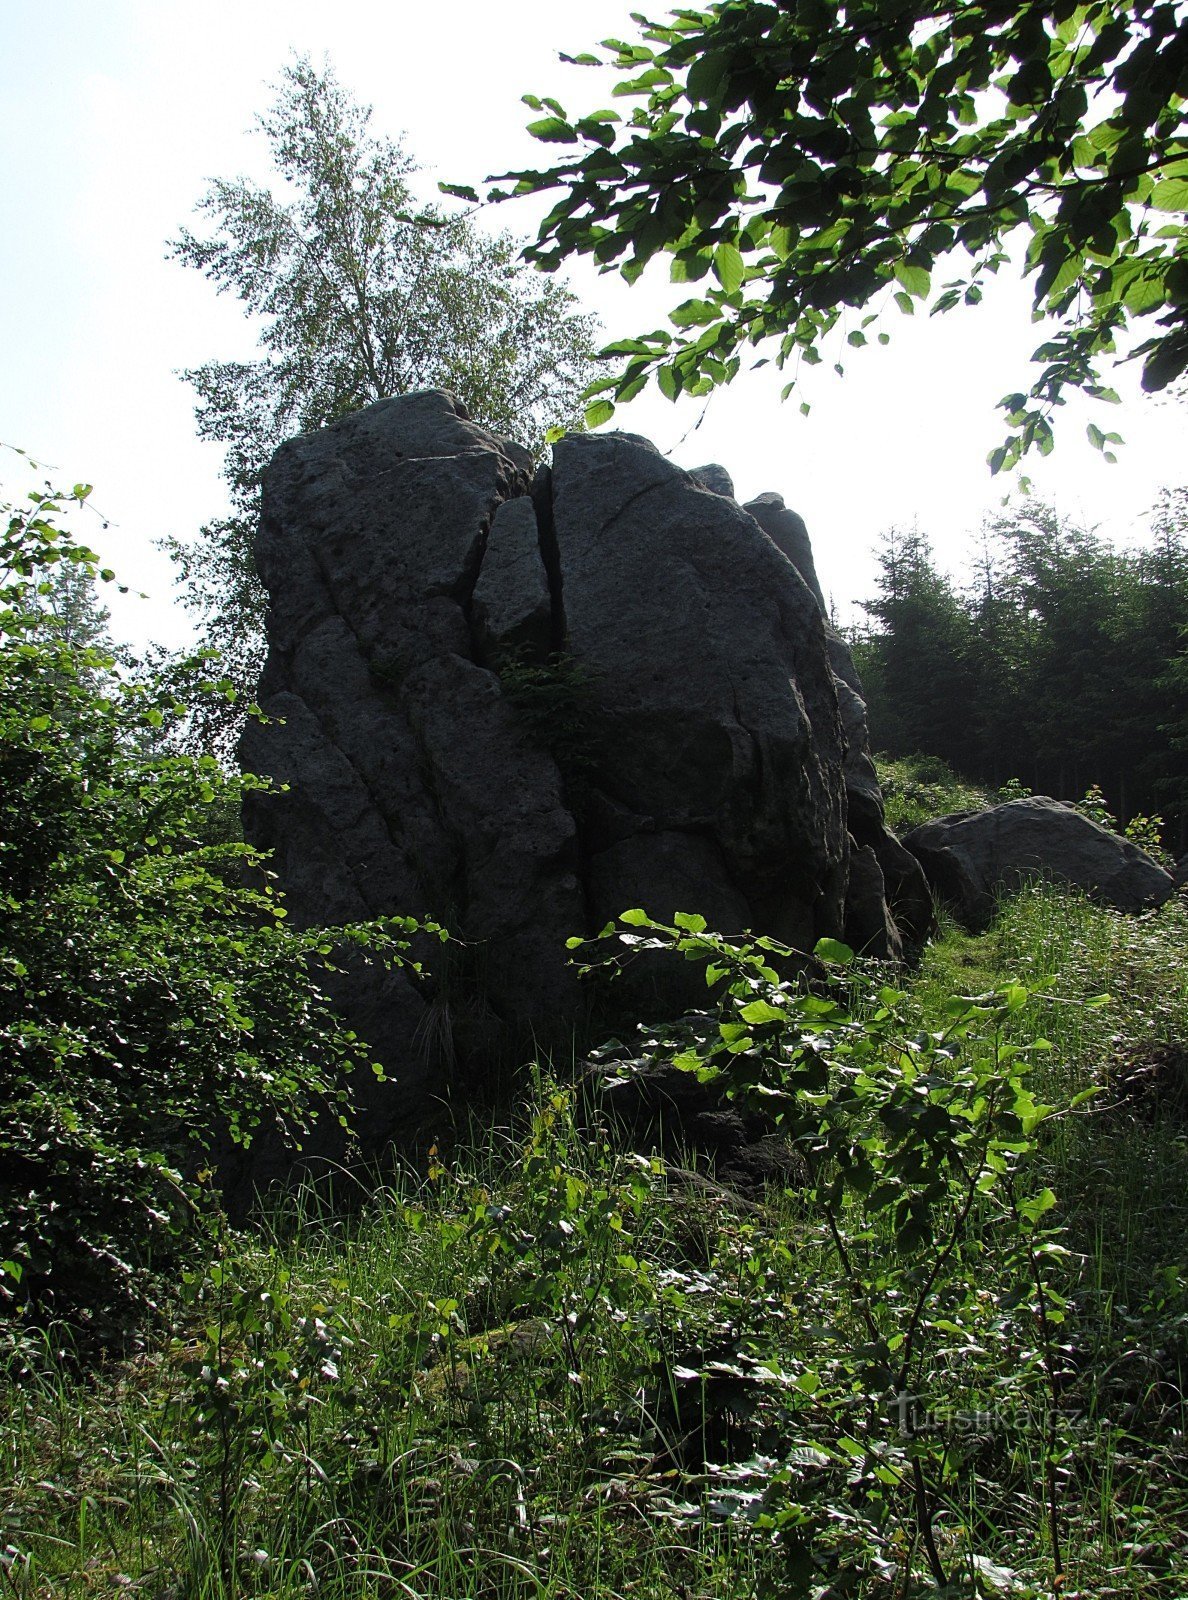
[360, 295]
[153, 1001]
[821, 160]
[1061, 663]
[554, 1367]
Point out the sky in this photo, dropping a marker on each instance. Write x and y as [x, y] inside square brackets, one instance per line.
[114, 115]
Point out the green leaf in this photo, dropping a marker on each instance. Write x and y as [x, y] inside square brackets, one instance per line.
[704, 78]
[729, 268]
[1038, 1205]
[833, 950]
[669, 381]
[691, 921]
[601, 411]
[1170, 194]
[553, 130]
[916, 280]
[759, 1011]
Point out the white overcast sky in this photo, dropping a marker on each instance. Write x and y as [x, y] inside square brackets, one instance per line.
[114, 113]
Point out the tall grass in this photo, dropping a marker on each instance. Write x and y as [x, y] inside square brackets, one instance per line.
[548, 1369]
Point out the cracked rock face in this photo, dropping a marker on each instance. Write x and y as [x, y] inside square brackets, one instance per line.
[717, 716]
[521, 704]
[888, 899]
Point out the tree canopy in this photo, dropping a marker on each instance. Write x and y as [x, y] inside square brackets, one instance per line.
[812, 162]
[1062, 664]
[361, 295]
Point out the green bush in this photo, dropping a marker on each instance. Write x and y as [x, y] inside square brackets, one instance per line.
[918, 788]
[152, 997]
[1144, 831]
[924, 1199]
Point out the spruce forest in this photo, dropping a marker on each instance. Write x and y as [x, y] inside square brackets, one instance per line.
[1057, 661]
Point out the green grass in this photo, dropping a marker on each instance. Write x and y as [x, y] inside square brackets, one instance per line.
[552, 1369]
[1116, 1017]
[918, 788]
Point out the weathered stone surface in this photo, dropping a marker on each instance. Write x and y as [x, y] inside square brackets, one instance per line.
[679, 871]
[870, 925]
[909, 895]
[522, 704]
[788, 533]
[413, 788]
[973, 857]
[512, 607]
[862, 780]
[889, 901]
[715, 699]
[715, 478]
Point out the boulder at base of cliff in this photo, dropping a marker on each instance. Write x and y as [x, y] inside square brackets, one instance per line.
[973, 857]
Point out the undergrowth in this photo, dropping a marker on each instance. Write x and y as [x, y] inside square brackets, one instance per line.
[918, 788]
[555, 1367]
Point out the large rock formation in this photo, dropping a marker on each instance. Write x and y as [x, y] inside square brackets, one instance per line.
[972, 857]
[888, 898]
[521, 703]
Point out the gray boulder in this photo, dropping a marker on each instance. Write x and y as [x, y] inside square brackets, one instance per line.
[971, 858]
[411, 785]
[715, 478]
[522, 703]
[788, 533]
[512, 608]
[715, 700]
[870, 922]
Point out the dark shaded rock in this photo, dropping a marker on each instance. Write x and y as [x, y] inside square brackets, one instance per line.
[522, 703]
[788, 533]
[887, 873]
[681, 872]
[862, 781]
[412, 787]
[908, 891]
[714, 478]
[659, 1107]
[1181, 873]
[901, 881]
[512, 608]
[870, 926]
[714, 691]
[971, 858]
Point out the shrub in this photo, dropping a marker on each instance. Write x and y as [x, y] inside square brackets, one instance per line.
[924, 1194]
[152, 997]
[918, 788]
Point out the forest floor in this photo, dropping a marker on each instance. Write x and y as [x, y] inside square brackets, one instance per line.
[554, 1366]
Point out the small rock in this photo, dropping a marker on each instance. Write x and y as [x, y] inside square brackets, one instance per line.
[714, 478]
